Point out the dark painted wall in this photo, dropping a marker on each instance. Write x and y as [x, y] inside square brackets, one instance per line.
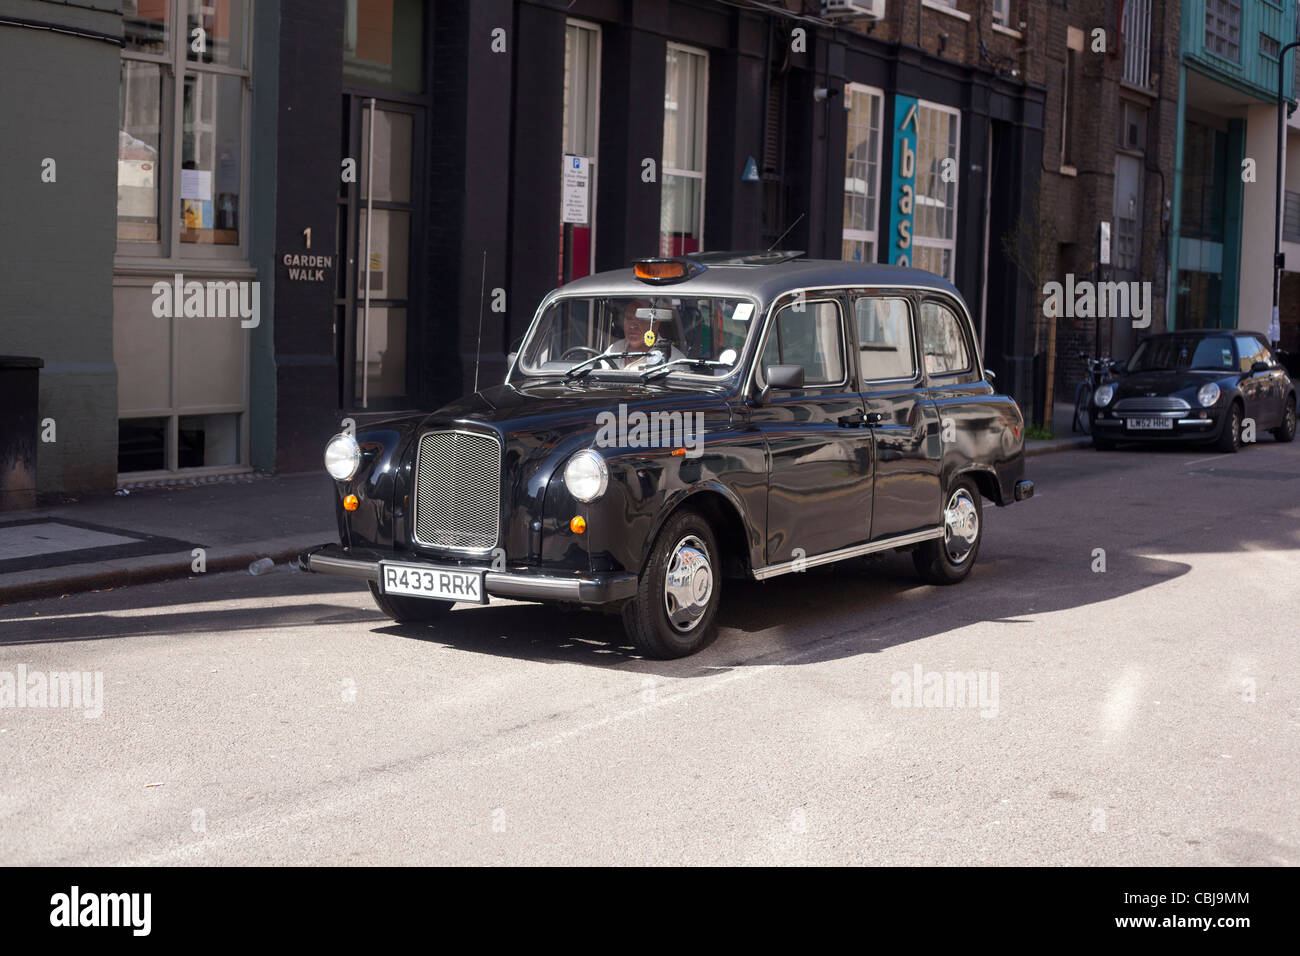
[308, 176]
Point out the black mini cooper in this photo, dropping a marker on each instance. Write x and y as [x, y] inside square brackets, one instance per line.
[684, 421]
[1198, 385]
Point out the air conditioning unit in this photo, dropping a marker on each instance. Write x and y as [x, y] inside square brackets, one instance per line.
[854, 9]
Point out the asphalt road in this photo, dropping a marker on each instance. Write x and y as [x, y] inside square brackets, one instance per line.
[1144, 714]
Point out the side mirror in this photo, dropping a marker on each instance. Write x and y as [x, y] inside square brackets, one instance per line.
[1259, 367]
[780, 378]
[990, 376]
[510, 359]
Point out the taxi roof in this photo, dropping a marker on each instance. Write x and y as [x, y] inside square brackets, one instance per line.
[763, 282]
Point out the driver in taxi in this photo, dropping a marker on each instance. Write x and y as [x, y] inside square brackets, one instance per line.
[635, 327]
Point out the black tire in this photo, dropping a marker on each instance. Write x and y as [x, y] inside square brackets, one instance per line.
[646, 618]
[1286, 431]
[409, 610]
[934, 560]
[1082, 409]
[1102, 444]
[1230, 436]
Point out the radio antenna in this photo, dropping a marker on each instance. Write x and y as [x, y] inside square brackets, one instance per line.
[482, 291]
[787, 232]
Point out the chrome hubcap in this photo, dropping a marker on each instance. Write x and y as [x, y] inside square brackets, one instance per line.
[961, 526]
[688, 584]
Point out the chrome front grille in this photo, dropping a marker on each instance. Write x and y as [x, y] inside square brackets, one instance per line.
[458, 491]
[1158, 405]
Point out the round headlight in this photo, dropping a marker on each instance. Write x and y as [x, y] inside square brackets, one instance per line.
[586, 476]
[1207, 394]
[1103, 395]
[342, 457]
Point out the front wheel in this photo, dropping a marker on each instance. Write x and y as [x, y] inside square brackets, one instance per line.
[1286, 431]
[1230, 437]
[949, 559]
[676, 605]
[409, 610]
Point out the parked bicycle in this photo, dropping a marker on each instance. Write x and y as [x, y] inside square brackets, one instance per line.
[1100, 371]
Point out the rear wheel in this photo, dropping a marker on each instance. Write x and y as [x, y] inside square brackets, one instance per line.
[1230, 437]
[675, 609]
[409, 610]
[949, 559]
[1286, 431]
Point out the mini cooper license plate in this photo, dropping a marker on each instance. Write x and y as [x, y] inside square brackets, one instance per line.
[421, 580]
[1149, 424]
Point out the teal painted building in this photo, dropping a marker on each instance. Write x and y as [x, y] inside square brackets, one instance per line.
[1220, 269]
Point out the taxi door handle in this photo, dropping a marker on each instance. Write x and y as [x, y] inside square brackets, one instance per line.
[851, 420]
[875, 418]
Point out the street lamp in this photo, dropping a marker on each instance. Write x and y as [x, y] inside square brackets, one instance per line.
[1277, 212]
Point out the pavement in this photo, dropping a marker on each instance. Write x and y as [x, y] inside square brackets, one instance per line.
[1131, 630]
[111, 541]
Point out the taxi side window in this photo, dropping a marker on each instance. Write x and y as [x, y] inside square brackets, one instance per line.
[884, 338]
[942, 340]
[810, 337]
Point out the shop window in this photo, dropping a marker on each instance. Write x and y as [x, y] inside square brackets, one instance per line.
[934, 225]
[182, 126]
[681, 214]
[862, 173]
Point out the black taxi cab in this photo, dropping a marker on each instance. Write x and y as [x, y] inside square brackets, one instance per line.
[686, 421]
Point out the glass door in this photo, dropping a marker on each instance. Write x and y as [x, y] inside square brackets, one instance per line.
[378, 230]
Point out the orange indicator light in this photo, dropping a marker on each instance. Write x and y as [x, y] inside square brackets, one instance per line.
[351, 503]
[577, 524]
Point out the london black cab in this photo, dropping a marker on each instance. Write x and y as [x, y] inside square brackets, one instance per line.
[682, 422]
[1198, 385]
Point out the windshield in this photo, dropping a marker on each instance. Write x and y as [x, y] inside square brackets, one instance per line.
[1177, 352]
[640, 333]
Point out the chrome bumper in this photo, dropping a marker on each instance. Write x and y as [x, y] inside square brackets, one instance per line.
[333, 559]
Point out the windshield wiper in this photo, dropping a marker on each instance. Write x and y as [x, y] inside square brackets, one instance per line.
[585, 366]
[677, 363]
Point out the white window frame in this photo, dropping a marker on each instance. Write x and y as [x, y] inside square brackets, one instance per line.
[1002, 12]
[177, 66]
[871, 235]
[593, 122]
[930, 242]
[703, 129]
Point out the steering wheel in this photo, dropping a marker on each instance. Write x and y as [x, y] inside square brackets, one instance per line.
[578, 348]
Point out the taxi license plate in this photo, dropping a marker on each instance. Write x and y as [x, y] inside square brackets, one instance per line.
[1149, 424]
[443, 584]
